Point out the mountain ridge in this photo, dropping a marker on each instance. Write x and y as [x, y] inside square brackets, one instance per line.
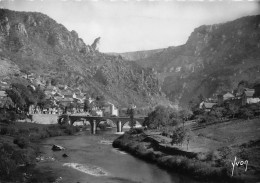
[215, 58]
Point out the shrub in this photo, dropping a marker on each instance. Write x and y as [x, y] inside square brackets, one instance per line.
[3, 131]
[11, 130]
[34, 129]
[136, 130]
[24, 132]
[246, 112]
[34, 137]
[21, 141]
[178, 135]
[206, 118]
[7, 165]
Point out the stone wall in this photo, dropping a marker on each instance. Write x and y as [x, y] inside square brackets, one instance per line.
[45, 118]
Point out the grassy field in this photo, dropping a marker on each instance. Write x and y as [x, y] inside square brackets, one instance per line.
[230, 133]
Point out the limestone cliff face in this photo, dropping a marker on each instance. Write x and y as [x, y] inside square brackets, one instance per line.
[215, 58]
[37, 43]
[17, 27]
[95, 44]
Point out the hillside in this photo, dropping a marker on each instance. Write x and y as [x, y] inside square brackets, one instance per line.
[38, 44]
[214, 59]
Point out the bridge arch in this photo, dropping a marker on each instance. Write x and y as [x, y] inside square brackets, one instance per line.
[96, 120]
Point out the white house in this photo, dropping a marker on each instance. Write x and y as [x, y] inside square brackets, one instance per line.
[227, 96]
[248, 97]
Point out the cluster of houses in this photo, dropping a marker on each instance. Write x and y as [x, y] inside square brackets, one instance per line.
[62, 99]
[248, 96]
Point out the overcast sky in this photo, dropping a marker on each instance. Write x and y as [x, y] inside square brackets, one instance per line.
[136, 25]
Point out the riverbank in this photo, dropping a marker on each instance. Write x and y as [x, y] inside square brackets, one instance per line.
[20, 150]
[206, 166]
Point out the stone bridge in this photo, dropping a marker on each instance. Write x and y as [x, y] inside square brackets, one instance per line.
[95, 120]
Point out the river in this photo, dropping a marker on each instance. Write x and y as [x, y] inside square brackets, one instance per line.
[92, 159]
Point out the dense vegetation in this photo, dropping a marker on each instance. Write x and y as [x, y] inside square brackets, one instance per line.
[19, 148]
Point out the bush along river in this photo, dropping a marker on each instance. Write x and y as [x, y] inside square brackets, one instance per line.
[92, 159]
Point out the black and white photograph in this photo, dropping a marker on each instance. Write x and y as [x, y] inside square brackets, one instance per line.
[129, 91]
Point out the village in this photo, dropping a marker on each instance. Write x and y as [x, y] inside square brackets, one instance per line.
[246, 96]
[62, 99]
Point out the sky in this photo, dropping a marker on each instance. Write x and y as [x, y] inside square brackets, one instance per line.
[136, 25]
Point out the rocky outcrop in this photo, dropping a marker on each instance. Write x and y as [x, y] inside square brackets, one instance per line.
[4, 26]
[7, 67]
[95, 44]
[57, 148]
[20, 28]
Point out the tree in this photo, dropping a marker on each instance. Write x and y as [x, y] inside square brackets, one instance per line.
[218, 112]
[160, 117]
[131, 113]
[86, 105]
[6, 103]
[233, 109]
[23, 96]
[246, 112]
[185, 114]
[201, 98]
[16, 98]
[40, 97]
[178, 135]
[100, 101]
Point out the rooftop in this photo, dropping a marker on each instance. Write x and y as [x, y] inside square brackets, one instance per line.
[2, 94]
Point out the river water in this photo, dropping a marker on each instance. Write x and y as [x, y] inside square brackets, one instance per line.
[92, 159]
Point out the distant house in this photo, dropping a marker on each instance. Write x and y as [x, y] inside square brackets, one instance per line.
[110, 109]
[207, 106]
[2, 94]
[66, 101]
[69, 95]
[77, 91]
[178, 69]
[228, 96]
[248, 97]
[50, 90]
[224, 97]
[3, 97]
[3, 85]
[62, 87]
[80, 99]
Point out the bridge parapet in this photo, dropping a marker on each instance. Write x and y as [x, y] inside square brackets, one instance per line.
[95, 120]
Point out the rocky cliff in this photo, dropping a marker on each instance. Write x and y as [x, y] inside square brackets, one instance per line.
[214, 59]
[36, 43]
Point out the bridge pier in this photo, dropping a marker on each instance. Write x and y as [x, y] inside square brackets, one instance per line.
[119, 126]
[94, 127]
